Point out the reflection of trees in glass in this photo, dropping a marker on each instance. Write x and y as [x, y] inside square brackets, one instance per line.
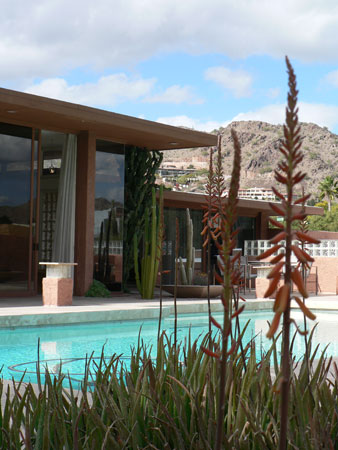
[113, 222]
[109, 204]
[110, 230]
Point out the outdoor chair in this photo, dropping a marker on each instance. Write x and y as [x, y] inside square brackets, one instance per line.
[251, 274]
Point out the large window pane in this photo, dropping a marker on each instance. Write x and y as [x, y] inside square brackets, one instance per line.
[51, 148]
[109, 204]
[170, 215]
[15, 187]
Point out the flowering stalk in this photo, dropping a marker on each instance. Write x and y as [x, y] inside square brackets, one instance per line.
[207, 216]
[177, 246]
[161, 271]
[223, 221]
[289, 176]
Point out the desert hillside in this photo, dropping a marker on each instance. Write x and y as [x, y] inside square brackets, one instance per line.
[260, 142]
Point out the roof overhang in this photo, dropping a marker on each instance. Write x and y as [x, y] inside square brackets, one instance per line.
[45, 113]
[247, 208]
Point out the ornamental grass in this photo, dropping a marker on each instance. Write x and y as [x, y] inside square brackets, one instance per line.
[172, 402]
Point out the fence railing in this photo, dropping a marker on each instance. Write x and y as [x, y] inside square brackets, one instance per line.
[115, 247]
[326, 247]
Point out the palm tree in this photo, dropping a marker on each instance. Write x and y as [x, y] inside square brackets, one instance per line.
[328, 189]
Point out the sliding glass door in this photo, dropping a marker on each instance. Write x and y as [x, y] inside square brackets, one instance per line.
[19, 169]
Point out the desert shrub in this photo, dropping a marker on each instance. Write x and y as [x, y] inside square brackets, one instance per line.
[265, 170]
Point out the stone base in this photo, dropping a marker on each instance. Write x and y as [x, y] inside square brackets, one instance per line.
[57, 291]
[261, 286]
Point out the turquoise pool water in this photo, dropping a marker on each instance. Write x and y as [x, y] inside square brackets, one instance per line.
[73, 343]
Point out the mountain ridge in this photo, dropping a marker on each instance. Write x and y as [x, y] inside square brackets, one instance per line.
[260, 143]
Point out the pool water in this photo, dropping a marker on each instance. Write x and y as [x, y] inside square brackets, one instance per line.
[74, 343]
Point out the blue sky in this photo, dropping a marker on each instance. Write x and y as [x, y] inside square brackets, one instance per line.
[193, 63]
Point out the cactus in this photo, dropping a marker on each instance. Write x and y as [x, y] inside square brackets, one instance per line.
[152, 239]
[140, 177]
[187, 269]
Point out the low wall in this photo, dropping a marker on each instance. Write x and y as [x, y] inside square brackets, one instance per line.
[324, 234]
[327, 273]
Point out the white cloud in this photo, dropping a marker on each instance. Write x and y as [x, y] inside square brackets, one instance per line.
[271, 113]
[236, 81]
[332, 78]
[321, 114]
[273, 93]
[189, 122]
[42, 39]
[175, 94]
[107, 91]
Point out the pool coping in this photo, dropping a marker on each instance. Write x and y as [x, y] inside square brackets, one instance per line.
[19, 314]
[116, 312]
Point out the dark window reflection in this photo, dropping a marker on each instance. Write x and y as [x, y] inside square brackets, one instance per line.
[245, 224]
[15, 185]
[169, 244]
[247, 230]
[109, 204]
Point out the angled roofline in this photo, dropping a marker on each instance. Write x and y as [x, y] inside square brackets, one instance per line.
[245, 207]
[46, 113]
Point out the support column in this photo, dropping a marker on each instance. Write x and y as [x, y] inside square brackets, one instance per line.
[84, 212]
[262, 226]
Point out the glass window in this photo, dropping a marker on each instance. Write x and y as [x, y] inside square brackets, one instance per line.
[169, 244]
[15, 193]
[109, 205]
[52, 143]
[247, 232]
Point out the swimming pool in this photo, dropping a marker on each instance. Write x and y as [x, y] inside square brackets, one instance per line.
[73, 343]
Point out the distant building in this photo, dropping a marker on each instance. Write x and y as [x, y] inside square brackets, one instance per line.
[257, 193]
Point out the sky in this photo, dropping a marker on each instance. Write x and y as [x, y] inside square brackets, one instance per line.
[187, 63]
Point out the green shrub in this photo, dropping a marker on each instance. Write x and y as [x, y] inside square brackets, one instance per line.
[98, 289]
[265, 170]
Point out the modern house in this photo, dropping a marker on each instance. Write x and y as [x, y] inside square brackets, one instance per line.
[62, 180]
[61, 175]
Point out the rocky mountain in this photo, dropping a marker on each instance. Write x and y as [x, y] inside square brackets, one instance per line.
[260, 142]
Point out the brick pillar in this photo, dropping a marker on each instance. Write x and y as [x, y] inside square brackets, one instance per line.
[84, 212]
